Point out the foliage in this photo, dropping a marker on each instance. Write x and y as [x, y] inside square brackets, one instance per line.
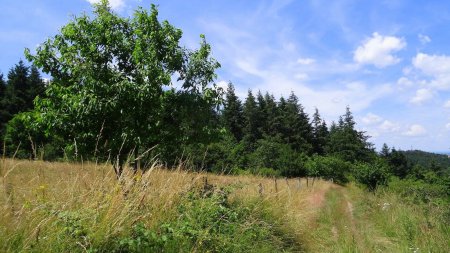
[432, 189]
[112, 87]
[207, 224]
[278, 156]
[233, 118]
[329, 167]
[426, 159]
[348, 143]
[24, 84]
[372, 174]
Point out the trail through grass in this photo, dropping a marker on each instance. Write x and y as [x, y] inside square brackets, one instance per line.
[63, 207]
[352, 220]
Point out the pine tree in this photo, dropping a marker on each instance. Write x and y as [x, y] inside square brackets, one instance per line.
[296, 128]
[251, 117]
[233, 113]
[2, 86]
[271, 124]
[348, 143]
[262, 113]
[320, 133]
[36, 86]
[385, 151]
[16, 89]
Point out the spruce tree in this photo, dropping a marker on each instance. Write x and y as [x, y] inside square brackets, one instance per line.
[16, 89]
[271, 111]
[385, 151]
[233, 113]
[320, 133]
[251, 117]
[36, 86]
[2, 86]
[262, 113]
[297, 130]
[348, 143]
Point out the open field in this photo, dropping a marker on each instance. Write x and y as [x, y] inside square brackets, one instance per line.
[56, 207]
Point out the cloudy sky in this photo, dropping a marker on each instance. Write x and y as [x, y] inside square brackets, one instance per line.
[388, 60]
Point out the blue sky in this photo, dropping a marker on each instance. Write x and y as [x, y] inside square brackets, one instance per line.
[388, 60]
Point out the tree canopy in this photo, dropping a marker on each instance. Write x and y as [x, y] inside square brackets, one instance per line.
[115, 78]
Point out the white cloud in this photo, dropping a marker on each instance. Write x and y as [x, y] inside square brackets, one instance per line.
[447, 104]
[432, 65]
[371, 119]
[388, 126]
[404, 82]
[306, 61]
[378, 50]
[115, 4]
[301, 76]
[447, 126]
[435, 66]
[415, 130]
[424, 39]
[422, 95]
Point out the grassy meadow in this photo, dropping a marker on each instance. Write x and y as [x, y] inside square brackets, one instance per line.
[74, 207]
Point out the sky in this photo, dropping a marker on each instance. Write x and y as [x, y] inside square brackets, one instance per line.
[388, 60]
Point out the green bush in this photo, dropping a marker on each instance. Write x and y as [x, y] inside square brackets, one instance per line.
[278, 156]
[372, 174]
[204, 223]
[329, 167]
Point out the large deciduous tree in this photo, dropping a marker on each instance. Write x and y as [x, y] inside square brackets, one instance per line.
[114, 83]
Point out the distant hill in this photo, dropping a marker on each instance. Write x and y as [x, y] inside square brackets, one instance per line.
[425, 159]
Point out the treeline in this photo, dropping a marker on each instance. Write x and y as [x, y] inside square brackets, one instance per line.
[266, 135]
[425, 159]
[17, 93]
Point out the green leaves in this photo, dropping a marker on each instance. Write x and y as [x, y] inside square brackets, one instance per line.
[111, 73]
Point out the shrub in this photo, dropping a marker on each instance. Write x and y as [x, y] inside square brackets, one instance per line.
[329, 167]
[372, 174]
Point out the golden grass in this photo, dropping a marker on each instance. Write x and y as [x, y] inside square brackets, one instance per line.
[34, 193]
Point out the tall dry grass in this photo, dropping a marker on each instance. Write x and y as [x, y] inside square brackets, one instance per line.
[37, 195]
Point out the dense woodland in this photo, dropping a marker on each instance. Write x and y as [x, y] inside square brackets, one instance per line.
[113, 98]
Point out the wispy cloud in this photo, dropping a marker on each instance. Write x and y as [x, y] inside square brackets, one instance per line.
[424, 39]
[422, 96]
[415, 130]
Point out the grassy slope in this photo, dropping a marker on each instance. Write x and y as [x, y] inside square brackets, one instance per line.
[354, 221]
[55, 207]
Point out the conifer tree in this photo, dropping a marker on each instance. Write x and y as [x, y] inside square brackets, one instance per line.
[16, 90]
[348, 143]
[296, 128]
[320, 133]
[36, 86]
[251, 117]
[385, 151]
[262, 112]
[233, 113]
[271, 124]
[2, 86]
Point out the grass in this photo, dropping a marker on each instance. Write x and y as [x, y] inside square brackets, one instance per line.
[356, 221]
[60, 207]
[72, 207]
